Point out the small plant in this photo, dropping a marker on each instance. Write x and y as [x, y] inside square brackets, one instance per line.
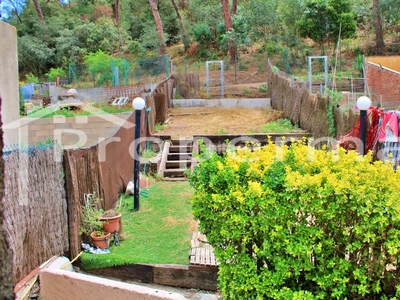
[148, 153]
[91, 213]
[245, 91]
[242, 67]
[30, 78]
[53, 73]
[278, 126]
[160, 126]
[221, 131]
[331, 102]
[263, 88]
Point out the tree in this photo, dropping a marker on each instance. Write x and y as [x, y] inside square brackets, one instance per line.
[389, 11]
[234, 7]
[160, 31]
[39, 11]
[117, 16]
[323, 20]
[229, 27]
[183, 32]
[380, 44]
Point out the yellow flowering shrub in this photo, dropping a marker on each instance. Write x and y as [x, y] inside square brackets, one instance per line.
[294, 222]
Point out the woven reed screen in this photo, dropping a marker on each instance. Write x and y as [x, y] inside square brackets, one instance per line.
[35, 209]
[308, 111]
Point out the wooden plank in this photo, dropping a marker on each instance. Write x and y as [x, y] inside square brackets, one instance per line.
[74, 206]
[164, 158]
[169, 275]
[203, 256]
[135, 272]
[184, 277]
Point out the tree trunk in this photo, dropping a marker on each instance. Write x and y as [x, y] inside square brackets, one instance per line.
[116, 13]
[6, 287]
[228, 27]
[39, 11]
[157, 19]
[183, 4]
[380, 44]
[234, 7]
[183, 32]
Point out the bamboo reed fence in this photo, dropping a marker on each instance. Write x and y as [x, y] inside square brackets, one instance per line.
[35, 208]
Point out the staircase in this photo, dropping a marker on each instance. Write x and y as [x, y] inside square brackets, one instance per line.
[177, 157]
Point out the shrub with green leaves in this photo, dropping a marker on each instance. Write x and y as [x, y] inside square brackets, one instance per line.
[54, 72]
[99, 66]
[294, 222]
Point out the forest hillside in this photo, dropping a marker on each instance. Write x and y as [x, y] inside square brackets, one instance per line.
[54, 35]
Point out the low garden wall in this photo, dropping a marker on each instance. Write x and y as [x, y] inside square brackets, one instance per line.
[81, 286]
[225, 103]
[71, 132]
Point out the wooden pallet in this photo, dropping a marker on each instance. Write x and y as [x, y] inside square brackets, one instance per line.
[201, 253]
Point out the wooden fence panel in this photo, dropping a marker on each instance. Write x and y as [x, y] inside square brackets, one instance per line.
[105, 168]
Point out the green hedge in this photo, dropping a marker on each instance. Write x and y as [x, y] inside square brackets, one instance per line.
[293, 222]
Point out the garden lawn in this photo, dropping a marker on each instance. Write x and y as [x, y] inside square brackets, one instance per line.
[159, 233]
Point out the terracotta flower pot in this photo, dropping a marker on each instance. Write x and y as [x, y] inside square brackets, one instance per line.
[102, 242]
[111, 224]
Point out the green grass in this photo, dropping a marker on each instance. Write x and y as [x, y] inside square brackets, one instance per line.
[159, 233]
[279, 126]
[47, 112]
[160, 126]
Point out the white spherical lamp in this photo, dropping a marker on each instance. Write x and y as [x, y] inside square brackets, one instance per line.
[138, 103]
[363, 103]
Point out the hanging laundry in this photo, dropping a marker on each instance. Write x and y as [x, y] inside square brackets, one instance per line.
[389, 129]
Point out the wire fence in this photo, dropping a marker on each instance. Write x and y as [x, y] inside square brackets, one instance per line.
[120, 72]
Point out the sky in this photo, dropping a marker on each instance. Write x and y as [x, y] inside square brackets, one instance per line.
[7, 6]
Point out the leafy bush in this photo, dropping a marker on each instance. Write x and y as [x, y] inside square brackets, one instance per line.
[278, 126]
[293, 222]
[31, 78]
[263, 88]
[99, 66]
[54, 72]
[202, 35]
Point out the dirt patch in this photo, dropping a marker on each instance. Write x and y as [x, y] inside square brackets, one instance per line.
[186, 122]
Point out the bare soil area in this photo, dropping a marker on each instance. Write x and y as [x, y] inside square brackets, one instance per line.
[186, 122]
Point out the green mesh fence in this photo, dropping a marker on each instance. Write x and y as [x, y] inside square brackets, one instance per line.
[120, 72]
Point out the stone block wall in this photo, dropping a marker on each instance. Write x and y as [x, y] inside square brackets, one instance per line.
[70, 133]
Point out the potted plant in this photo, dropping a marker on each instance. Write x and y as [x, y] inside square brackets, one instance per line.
[100, 239]
[91, 229]
[111, 221]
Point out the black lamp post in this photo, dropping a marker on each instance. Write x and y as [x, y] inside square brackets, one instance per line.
[138, 104]
[363, 103]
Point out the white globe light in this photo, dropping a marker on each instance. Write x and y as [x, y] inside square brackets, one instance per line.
[363, 103]
[138, 103]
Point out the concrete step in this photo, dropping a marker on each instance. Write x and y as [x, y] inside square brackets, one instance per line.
[174, 172]
[180, 148]
[175, 178]
[179, 156]
[178, 163]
